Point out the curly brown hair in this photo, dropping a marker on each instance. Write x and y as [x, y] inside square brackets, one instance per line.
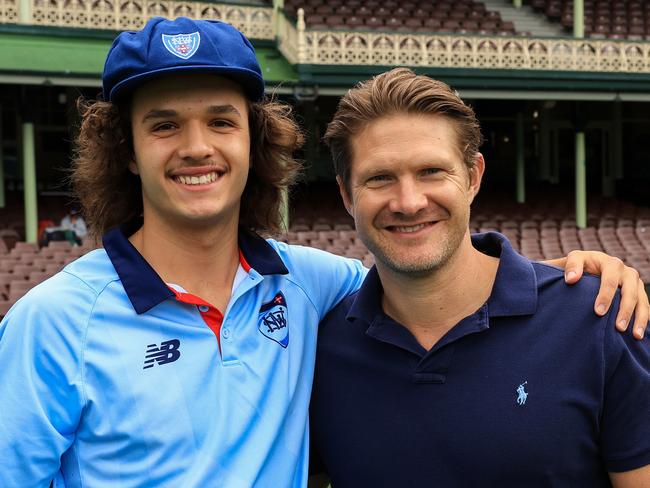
[110, 194]
[399, 90]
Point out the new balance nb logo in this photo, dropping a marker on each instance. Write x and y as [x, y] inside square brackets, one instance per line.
[168, 352]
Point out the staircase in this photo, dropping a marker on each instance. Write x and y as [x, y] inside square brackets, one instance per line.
[526, 19]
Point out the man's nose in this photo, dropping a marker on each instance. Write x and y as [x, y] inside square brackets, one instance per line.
[195, 143]
[409, 198]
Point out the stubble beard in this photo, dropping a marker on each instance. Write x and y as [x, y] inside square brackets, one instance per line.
[427, 263]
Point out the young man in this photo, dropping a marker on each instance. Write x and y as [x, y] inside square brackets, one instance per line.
[180, 354]
[459, 362]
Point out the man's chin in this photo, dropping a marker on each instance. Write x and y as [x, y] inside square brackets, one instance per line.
[413, 269]
[406, 261]
[201, 220]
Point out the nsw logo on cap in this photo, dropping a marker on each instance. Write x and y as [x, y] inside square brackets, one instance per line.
[182, 45]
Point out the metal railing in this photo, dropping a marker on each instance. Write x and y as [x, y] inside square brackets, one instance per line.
[255, 21]
[340, 47]
[343, 47]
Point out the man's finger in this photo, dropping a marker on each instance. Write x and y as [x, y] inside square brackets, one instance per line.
[573, 266]
[612, 276]
[642, 313]
[630, 296]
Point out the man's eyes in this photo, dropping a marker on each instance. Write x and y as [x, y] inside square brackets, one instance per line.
[378, 178]
[378, 181]
[217, 123]
[221, 123]
[385, 177]
[163, 126]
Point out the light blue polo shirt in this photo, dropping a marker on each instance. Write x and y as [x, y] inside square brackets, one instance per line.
[109, 380]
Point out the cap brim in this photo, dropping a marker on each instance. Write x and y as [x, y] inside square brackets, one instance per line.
[250, 81]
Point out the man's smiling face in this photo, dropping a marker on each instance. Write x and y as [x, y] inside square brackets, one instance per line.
[191, 145]
[410, 191]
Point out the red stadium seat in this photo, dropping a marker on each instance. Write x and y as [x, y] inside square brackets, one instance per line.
[335, 21]
[374, 23]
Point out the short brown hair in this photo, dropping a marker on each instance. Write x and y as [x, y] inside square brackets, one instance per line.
[398, 91]
[111, 195]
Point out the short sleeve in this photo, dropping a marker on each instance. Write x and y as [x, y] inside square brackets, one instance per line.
[625, 429]
[326, 278]
[40, 385]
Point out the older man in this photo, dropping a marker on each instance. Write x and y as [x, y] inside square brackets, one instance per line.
[460, 362]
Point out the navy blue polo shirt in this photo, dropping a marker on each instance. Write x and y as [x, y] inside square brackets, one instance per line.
[533, 389]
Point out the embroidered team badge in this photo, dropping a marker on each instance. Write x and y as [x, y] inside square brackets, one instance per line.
[272, 321]
[182, 45]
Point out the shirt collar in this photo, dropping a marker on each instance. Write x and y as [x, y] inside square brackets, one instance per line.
[514, 291]
[515, 288]
[146, 289]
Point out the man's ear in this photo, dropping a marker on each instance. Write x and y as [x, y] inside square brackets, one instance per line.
[133, 167]
[347, 202]
[476, 175]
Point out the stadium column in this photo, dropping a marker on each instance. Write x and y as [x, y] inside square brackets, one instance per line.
[302, 45]
[29, 168]
[521, 160]
[581, 181]
[581, 170]
[278, 5]
[578, 18]
[25, 12]
[29, 182]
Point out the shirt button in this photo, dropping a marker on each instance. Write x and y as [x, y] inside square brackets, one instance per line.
[225, 333]
[204, 308]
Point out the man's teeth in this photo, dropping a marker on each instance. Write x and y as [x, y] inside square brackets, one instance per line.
[408, 229]
[198, 180]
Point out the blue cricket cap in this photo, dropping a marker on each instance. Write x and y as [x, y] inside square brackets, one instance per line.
[165, 47]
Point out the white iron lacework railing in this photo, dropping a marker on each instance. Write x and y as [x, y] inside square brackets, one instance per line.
[255, 22]
[341, 47]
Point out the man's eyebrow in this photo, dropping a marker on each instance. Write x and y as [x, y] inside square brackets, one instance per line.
[223, 109]
[157, 113]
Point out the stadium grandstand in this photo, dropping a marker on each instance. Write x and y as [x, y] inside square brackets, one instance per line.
[561, 88]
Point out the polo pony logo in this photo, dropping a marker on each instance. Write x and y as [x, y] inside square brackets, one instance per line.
[182, 45]
[522, 395]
